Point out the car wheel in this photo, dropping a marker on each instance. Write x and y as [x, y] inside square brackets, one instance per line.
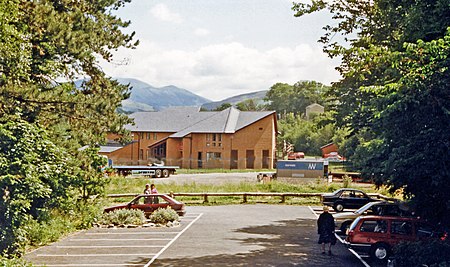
[344, 226]
[380, 252]
[158, 173]
[166, 173]
[338, 207]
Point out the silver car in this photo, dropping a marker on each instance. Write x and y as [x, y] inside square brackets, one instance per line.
[343, 220]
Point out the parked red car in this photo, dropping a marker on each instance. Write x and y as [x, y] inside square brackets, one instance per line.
[376, 235]
[149, 203]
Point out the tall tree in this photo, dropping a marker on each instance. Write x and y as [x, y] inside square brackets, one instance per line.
[45, 118]
[394, 95]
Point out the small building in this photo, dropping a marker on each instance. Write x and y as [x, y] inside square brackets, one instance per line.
[328, 148]
[314, 109]
[190, 138]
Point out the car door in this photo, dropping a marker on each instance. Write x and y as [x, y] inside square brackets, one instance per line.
[401, 230]
[372, 231]
[141, 203]
[359, 199]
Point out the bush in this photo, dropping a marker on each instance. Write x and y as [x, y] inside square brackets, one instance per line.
[163, 216]
[434, 253]
[14, 262]
[123, 216]
[346, 181]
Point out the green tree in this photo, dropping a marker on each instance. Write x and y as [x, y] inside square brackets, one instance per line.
[45, 118]
[394, 95]
[223, 107]
[306, 135]
[285, 98]
[34, 176]
[250, 105]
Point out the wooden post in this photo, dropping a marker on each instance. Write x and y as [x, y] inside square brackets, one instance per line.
[283, 198]
[245, 198]
[205, 198]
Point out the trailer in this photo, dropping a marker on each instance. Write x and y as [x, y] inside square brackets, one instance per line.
[156, 171]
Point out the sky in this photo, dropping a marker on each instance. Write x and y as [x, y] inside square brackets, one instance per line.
[222, 48]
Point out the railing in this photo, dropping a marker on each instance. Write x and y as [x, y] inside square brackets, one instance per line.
[246, 195]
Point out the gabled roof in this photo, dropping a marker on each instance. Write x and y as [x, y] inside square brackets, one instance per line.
[182, 122]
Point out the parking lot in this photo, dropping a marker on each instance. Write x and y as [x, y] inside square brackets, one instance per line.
[234, 235]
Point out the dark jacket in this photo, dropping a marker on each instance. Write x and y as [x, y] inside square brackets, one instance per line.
[325, 223]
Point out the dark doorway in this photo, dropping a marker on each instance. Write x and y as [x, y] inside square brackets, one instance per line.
[199, 160]
[250, 156]
[265, 159]
[234, 159]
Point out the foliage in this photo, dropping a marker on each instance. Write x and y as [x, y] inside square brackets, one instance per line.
[393, 96]
[163, 216]
[250, 105]
[45, 117]
[285, 98]
[346, 181]
[423, 253]
[223, 107]
[14, 262]
[34, 177]
[123, 216]
[306, 135]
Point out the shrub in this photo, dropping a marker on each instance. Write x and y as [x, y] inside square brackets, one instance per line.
[123, 216]
[346, 181]
[14, 262]
[163, 216]
[434, 253]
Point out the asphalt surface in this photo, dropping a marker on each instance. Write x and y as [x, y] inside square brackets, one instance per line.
[234, 235]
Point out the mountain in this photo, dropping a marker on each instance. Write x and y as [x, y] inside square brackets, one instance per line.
[258, 96]
[145, 97]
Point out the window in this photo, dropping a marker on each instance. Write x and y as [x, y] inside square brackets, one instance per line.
[214, 140]
[148, 136]
[423, 230]
[155, 136]
[213, 156]
[401, 227]
[141, 153]
[141, 135]
[374, 226]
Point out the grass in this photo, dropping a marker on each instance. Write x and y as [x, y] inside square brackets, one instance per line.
[120, 184]
[196, 171]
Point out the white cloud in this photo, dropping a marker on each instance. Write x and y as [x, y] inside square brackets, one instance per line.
[201, 32]
[223, 70]
[162, 12]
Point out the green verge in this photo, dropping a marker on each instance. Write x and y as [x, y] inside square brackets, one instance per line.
[121, 185]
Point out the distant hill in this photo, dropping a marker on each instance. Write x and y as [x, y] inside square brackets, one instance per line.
[257, 96]
[145, 97]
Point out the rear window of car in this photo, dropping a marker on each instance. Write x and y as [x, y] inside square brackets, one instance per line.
[374, 226]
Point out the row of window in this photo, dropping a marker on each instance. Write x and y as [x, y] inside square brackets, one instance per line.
[148, 136]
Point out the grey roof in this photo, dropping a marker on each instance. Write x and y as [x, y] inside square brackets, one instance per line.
[109, 148]
[183, 121]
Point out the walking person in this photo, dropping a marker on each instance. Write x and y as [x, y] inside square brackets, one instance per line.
[325, 229]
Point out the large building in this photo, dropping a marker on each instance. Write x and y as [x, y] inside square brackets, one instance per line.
[189, 138]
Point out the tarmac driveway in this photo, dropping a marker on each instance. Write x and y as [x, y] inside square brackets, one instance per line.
[234, 235]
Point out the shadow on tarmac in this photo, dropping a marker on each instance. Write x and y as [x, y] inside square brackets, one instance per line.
[286, 243]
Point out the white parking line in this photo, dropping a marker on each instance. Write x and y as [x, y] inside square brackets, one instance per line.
[120, 240]
[342, 241]
[90, 264]
[120, 246]
[173, 240]
[134, 233]
[92, 255]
